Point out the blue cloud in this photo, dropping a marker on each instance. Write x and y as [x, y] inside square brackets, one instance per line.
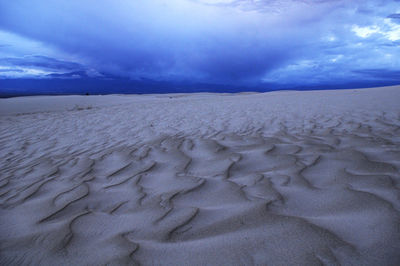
[11, 70]
[380, 74]
[40, 61]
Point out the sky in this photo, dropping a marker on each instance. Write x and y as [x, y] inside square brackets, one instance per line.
[188, 45]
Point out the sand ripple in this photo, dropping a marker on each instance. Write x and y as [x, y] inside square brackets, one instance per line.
[86, 187]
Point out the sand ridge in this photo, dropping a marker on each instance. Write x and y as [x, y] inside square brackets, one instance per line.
[292, 178]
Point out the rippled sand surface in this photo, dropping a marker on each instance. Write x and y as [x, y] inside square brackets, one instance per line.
[282, 178]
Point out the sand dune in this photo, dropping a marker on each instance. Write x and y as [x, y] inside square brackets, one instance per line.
[282, 178]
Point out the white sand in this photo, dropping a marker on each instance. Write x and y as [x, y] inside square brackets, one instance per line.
[282, 178]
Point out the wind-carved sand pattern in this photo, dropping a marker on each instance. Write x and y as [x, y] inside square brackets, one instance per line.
[193, 180]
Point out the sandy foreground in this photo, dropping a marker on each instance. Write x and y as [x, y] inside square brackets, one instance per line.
[280, 178]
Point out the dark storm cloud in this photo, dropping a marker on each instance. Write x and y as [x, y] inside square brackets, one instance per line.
[159, 42]
[229, 42]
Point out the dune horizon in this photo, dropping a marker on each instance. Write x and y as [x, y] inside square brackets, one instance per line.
[275, 178]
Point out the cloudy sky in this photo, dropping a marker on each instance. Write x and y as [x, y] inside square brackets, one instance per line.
[259, 43]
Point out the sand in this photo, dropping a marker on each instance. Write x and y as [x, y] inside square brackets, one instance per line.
[280, 178]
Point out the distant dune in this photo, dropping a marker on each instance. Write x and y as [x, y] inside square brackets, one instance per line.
[279, 178]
